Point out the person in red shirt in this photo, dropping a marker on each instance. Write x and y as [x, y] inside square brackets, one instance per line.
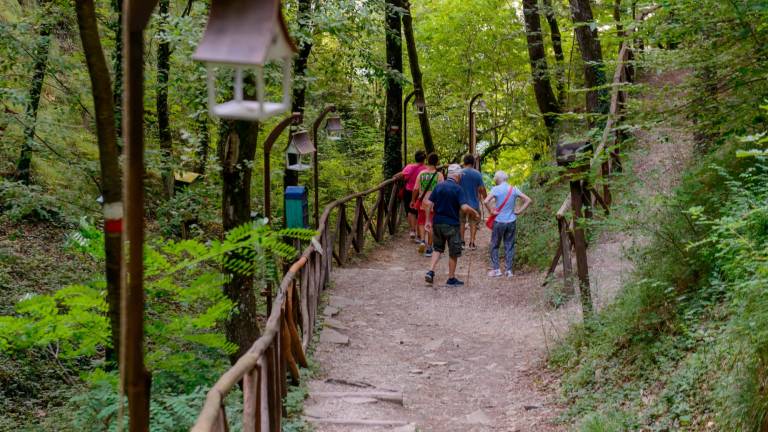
[411, 174]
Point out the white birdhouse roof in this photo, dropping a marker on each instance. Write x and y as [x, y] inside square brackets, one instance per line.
[245, 32]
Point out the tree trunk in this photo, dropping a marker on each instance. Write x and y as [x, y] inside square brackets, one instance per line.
[418, 85]
[203, 139]
[291, 178]
[117, 67]
[557, 47]
[592, 55]
[111, 185]
[163, 116]
[542, 88]
[617, 18]
[393, 158]
[237, 149]
[24, 165]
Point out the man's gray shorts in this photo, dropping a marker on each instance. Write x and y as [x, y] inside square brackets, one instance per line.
[449, 234]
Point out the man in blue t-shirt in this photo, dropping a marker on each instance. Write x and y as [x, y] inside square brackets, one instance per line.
[447, 201]
[474, 189]
[505, 197]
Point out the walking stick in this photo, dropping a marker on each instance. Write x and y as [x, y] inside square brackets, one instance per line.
[469, 269]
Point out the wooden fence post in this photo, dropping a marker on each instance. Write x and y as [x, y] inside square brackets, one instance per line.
[565, 245]
[580, 244]
[381, 210]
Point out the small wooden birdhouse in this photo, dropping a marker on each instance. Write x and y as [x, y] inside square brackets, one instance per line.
[299, 146]
[334, 128]
[481, 107]
[242, 35]
[420, 104]
[569, 152]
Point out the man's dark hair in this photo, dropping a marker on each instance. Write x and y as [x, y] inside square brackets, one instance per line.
[420, 156]
[469, 160]
[433, 159]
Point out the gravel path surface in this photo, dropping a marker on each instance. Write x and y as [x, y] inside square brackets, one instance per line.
[465, 358]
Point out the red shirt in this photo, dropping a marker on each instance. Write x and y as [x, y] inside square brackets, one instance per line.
[411, 173]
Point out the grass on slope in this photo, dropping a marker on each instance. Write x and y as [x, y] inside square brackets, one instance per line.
[685, 345]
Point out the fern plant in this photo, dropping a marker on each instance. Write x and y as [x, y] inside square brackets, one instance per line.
[185, 308]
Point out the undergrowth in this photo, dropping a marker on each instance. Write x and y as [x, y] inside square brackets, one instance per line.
[685, 344]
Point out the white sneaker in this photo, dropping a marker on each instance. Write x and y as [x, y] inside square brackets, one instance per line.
[508, 274]
[494, 273]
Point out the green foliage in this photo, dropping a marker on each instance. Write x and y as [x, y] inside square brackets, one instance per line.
[97, 409]
[87, 239]
[73, 319]
[689, 332]
[192, 205]
[19, 202]
[185, 308]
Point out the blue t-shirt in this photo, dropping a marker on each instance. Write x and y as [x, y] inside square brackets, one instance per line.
[499, 192]
[448, 198]
[471, 181]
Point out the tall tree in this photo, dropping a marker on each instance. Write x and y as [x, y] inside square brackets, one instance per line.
[542, 88]
[393, 155]
[117, 67]
[617, 18]
[163, 116]
[24, 166]
[304, 40]
[111, 185]
[237, 149]
[592, 55]
[557, 48]
[203, 133]
[418, 85]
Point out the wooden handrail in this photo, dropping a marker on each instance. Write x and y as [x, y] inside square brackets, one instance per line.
[313, 265]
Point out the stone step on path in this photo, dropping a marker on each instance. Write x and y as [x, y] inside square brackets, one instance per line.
[340, 405]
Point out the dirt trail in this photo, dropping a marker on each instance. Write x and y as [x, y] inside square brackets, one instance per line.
[465, 359]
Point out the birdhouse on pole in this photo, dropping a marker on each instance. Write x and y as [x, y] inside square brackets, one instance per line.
[420, 104]
[243, 35]
[299, 146]
[333, 128]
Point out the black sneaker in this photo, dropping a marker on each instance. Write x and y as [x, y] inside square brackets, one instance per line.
[454, 282]
[430, 276]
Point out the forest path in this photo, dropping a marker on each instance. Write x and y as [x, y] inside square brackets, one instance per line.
[470, 358]
[464, 358]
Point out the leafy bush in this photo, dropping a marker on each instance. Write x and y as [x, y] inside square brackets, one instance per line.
[185, 307]
[20, 202]
[691, 332]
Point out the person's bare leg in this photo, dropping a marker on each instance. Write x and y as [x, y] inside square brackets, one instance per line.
[435, 259]
[452, 261]
[472, 233]
[412, 222]
[463, 231]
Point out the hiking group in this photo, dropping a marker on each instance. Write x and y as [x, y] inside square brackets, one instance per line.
[440, 208]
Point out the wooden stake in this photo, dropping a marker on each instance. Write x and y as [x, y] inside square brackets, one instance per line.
[580, 244]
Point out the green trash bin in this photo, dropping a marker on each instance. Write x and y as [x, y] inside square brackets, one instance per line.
[296, 207]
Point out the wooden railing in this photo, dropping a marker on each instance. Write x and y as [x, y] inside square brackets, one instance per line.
[606, 157]
[264, 369]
